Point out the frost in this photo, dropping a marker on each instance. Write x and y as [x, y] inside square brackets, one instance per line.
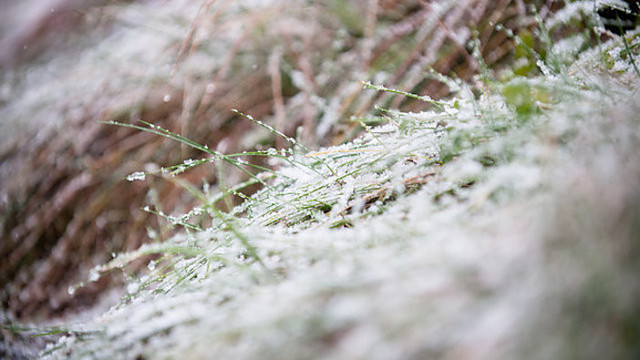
[573, 10]
[138, 175]
[94, 275]
[189, 162]
[132, 288]
[444, 219]
[616, 4]
[567, 48]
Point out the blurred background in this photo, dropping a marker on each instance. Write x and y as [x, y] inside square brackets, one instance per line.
[66, 65]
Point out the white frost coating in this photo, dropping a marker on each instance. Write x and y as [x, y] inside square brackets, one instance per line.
[189, 162]
[455, 268]
[616, 4]
[138, 175]
[573, 10]
[569, 47]
[94, 275]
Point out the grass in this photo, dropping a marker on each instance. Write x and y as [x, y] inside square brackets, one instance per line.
[467, 228]
[493, 221]
[184, 68]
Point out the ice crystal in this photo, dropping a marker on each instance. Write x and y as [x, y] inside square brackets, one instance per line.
[138, 175]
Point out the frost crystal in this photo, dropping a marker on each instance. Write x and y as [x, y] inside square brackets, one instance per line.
[138, 175]
[189, 162]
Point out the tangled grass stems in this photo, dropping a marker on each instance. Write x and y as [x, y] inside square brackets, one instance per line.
[155, 129]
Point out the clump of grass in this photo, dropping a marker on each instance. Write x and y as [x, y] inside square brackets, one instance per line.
[294, 65]
[315, 255]
[449, 218]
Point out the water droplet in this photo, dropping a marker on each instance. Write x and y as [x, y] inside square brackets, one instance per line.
[71, 290]
[166, 98]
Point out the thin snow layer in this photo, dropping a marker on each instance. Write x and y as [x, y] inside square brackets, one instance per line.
[475, 232]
